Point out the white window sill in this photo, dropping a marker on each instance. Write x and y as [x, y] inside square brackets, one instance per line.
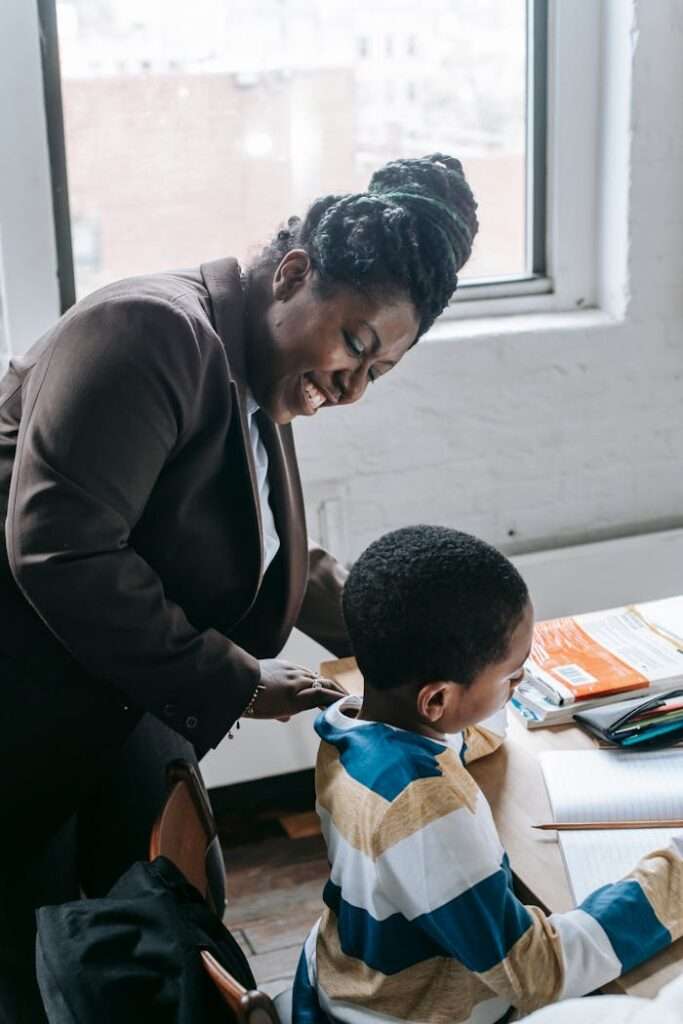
[448, 329]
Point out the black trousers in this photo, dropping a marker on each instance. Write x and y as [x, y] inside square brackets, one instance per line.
[82, 779]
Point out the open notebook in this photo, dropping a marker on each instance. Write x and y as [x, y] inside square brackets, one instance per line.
[611, 785]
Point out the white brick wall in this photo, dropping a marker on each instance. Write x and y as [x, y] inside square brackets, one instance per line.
[558, 428]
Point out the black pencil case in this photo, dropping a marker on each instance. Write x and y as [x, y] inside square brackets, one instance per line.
[637, 724]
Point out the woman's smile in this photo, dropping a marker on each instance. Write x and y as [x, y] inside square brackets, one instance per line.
[314, 396]
[313, 352]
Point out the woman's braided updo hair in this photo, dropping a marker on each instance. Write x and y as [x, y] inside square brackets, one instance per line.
[409, 234]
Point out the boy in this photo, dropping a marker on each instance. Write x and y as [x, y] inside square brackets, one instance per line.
[421, 922]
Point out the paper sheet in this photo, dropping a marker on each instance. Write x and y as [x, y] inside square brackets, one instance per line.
[596, 858]
[607, 785]
[614, 785]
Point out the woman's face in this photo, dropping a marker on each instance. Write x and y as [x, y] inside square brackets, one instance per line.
[312, 352]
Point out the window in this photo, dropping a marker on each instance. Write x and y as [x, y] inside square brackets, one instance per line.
[86, 244]
[187, 140]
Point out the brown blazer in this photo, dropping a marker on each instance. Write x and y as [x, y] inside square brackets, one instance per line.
[132, 531]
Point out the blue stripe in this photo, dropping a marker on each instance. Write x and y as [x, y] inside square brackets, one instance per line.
[505, 866]
[632, 927]
[463, 749]
[382, 759]
[478, 928]
[388, 946]
[305, 1006]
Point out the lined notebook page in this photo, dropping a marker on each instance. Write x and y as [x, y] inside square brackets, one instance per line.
[611, 785]
[595, 858]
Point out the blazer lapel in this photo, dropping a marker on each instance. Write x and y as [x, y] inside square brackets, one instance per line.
[222, 278]
[288, 510]
[224, 285]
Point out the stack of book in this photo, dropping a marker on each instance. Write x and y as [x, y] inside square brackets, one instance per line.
[583, 661]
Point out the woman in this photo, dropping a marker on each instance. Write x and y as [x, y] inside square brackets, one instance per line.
[155, 555]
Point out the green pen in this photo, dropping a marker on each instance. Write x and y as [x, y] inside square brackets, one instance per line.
[648, 735]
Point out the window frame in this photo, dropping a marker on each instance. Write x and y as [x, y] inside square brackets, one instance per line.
[563, 61]
[564, 85]
[56, 143]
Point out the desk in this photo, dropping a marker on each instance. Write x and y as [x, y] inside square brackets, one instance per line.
[512, 782]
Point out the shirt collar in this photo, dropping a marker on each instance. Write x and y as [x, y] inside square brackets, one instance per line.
[334, 716]
[251, 403]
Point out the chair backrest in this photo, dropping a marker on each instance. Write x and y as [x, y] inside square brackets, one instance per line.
[185, 833]
[245, 1007]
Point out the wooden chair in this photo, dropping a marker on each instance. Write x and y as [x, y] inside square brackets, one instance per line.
[185, 833]
[245, 1007]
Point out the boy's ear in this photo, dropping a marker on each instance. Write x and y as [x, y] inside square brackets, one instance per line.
[434, 699]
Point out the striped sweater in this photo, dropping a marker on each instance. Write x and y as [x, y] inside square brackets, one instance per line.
[421, 922]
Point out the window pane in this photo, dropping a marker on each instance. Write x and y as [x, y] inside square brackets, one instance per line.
[193, 129]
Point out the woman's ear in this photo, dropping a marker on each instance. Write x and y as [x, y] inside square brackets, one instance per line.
[291, 272]
[434, 699]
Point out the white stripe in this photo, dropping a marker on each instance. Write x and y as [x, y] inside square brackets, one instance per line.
[421, 872]
[354, 872]
[442, 861]
[671, 996]
[487, 1012]
[310, 954]
[589, 960]
[335, 717]
[455, 742]
[677, 844]
[350, 1013]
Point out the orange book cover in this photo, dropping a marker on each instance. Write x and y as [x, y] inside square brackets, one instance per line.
[579, 663]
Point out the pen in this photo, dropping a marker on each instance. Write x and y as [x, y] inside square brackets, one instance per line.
[565, 826]
[648, 734]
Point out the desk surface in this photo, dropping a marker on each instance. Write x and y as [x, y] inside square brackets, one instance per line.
[512, 782]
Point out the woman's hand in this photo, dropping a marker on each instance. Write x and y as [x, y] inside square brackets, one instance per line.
[289, 688]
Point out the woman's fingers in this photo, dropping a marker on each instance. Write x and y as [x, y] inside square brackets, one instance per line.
[316, 697]
[332, 684]
[308, 677]
[287, 689]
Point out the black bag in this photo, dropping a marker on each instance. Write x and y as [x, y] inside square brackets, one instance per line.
[135, 954]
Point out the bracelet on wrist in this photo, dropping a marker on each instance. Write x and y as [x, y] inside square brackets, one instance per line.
[248, 711]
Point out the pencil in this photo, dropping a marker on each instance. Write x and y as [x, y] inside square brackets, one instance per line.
[564, 826]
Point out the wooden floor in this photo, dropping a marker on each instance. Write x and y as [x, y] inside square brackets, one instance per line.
[274, 896]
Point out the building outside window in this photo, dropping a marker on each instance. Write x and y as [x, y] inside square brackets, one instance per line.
[193, 130]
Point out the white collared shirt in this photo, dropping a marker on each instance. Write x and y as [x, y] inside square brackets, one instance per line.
[271, 541]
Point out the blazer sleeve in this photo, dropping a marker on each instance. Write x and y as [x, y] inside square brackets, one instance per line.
[320, 616]
[105, 408]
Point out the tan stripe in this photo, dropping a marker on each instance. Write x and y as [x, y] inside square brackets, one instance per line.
[372, 824]
[439, 990]
[427, 800]
[660, 874]
[459, 779]
[357, 812]
[480, 742]
[532, 974]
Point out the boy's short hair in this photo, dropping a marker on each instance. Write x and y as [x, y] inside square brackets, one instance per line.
[427, 603]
